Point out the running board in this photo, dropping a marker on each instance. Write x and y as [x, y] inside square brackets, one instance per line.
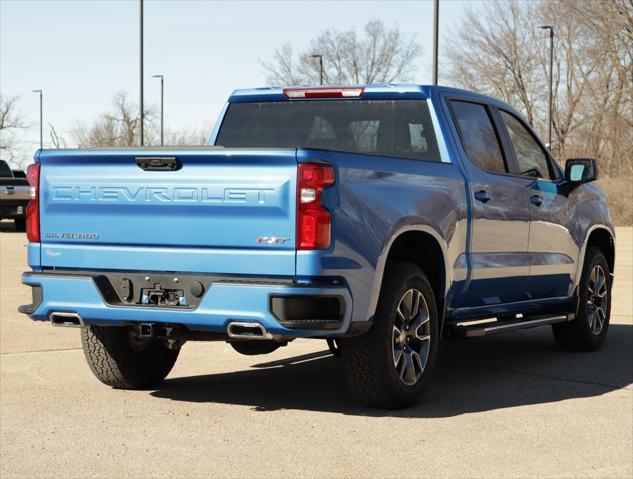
[465, 330]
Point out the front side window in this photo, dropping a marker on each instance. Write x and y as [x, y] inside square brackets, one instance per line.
[397, 128]
[478, 135]
[531, 158]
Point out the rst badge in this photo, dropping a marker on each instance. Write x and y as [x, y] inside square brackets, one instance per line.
[272, 240]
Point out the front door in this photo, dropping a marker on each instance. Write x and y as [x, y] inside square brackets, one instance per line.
[498, 256]
[553, 251]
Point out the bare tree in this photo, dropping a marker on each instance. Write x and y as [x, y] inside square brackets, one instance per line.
[10, 121]
[57, 141]
[119, 127]
[500, 50]
[380, 55]
[197, 136]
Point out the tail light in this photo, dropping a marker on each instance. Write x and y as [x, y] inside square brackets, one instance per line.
[33, 208]
[314, 222]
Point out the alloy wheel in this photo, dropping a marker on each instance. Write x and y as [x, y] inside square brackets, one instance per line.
[411, 338]
[597, 299]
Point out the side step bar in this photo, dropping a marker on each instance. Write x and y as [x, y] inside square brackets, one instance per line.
[465, 330]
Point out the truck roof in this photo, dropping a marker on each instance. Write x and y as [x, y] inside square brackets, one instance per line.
[376, 92]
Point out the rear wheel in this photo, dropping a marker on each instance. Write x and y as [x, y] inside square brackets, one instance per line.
[118, 357]
[588, 330]
[390, 365]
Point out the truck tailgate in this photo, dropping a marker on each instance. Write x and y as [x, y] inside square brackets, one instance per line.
[215, 213]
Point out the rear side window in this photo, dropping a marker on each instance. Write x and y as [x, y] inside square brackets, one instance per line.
[479, 137]
[397, 128]
[531, 158]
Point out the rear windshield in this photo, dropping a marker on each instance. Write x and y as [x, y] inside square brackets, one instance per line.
[398, 128]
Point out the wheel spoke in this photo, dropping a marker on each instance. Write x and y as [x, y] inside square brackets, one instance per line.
[592, 324]
[407, 304]
[410, 374]
[403, 365]
[423, 338]
[423, 319]
[415, 304]
[599, 285]
[417, 360]
[397, 355]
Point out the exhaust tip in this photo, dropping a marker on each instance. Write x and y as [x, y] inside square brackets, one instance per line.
[238, 330]
[67, 320]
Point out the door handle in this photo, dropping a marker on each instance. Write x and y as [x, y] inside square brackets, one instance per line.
[483, 196]
[536, 200]
[158, 163]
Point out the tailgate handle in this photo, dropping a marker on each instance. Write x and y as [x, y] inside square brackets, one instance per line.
[158, 163]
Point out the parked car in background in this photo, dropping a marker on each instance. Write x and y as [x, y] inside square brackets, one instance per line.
[381, 218]
[14, 195]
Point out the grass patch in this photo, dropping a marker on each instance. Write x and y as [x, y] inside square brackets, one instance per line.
[620, 197]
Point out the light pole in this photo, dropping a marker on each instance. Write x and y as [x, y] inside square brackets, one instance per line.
[320, 57]
[551, 80]
[41, 119]
[162, 109]
[436, 31]
[141, 71]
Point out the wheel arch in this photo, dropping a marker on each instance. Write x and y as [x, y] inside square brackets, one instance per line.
[604, 239]
[422, 246]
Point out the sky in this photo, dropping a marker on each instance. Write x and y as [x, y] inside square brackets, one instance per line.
[82, 52]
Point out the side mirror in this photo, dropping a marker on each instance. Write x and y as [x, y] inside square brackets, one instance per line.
[581, 170]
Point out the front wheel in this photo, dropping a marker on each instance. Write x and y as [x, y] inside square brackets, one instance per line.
[390, 365]
[118, 357]
[589, 328]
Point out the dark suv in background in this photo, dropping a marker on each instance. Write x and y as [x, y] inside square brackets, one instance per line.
[14, 195]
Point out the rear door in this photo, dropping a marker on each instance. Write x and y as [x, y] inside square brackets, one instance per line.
[553, 251]
[498, 257]
[215, 212]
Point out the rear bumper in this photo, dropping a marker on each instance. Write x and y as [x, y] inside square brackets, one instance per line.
[223, 302]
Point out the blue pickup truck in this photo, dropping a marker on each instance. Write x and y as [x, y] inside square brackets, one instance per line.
[378, 218]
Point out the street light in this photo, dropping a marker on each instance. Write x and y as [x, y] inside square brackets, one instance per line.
[162, 110]
[436, 30]
[141, 69]
[551, 79]
[320, 57]
[41, 120]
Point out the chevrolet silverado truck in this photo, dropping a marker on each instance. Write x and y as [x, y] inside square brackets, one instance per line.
[379, 218]
[14, 195]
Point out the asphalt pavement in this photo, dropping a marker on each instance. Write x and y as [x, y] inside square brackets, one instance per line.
[510, 405]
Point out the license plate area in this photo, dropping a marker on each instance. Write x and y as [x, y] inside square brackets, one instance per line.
[158, 296]
[152, 290]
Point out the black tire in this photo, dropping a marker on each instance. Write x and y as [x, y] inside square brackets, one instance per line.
[119, 360]
[256, 347]
[583, 334]
[369, 360]
[20, 224]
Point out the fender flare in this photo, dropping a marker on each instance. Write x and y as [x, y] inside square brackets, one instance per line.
[583, 249]
[384, 253]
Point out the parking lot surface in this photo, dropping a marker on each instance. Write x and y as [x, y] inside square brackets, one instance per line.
[511, 405]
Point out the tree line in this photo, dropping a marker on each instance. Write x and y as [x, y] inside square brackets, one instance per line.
[497, 49]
